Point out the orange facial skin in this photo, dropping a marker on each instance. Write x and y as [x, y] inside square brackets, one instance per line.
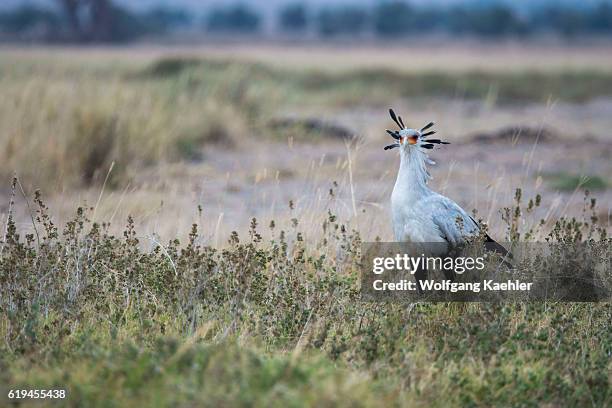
[409, 139]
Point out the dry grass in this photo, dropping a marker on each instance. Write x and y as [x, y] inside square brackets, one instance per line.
[188, 132]
[417, 56]
[162, 312]
[265, 321]
[63, 128]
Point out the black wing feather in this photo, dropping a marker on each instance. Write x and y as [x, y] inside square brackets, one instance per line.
[494, 246]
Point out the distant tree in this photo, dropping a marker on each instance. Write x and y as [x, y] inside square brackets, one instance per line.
[121, 26]
[237, 18]
[293, 18]
[27, 18]
[71, 10]
[490, 21]
[567, 21]
[347, 20]
[162, 19]
[101, 21]
[393, 18]
[600, 19]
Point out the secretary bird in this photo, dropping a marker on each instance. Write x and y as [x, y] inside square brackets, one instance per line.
[419, 214]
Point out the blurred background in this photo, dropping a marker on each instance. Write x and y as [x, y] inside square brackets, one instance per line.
[119, 21]
[213, 112]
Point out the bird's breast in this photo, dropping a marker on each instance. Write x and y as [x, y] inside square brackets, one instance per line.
[412, 222]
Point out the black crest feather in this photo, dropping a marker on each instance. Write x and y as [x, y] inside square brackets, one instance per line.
[437, 141]
[394, 117]
[427, 143]
[394, 134]
[427, 126]
[401, 122]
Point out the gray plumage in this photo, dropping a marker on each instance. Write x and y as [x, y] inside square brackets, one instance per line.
[420, 214]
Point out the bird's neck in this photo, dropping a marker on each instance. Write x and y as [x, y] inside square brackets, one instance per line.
[412, 176]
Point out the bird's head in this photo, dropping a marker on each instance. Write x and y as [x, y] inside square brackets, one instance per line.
[407, 138]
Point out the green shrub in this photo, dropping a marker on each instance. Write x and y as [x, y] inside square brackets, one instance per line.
[255, 322]
[571, 182]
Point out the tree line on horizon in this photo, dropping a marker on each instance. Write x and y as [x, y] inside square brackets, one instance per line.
[92, 21]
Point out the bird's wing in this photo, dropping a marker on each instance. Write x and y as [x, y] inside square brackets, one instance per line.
[454, 223]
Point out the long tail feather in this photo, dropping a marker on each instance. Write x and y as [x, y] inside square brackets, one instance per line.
[496, 247]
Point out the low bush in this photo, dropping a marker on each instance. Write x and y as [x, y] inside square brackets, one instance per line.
[279, 321]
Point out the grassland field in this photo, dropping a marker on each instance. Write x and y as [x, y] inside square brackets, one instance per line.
[181, 226]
